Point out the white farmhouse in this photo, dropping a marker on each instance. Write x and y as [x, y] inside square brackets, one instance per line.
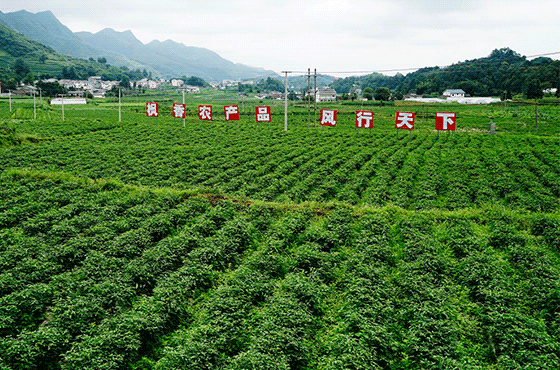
[153, 84]
[108, 85]
[95, 81]
[97, 93]
[192, 90]
[177, 83]
[142, 83]
[454, 93]
[325, 95]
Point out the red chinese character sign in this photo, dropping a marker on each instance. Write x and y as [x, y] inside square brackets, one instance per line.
[446, 121]
[405, 120]
[179, 110]
[152, 109]
[231, 112]
[262, 114]
[328, 117]
[364, 118]
[205, 112]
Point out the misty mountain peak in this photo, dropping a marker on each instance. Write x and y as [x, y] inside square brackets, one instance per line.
[168, 58]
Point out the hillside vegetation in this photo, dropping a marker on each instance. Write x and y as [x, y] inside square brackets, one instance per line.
[22, 59]
[503, 73]
[148, 245]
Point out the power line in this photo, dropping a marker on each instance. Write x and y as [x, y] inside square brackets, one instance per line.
[415, 69]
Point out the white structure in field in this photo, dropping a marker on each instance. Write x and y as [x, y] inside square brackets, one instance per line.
[68, 101]
[472, 100]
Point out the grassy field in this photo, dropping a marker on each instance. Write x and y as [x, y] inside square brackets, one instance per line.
[143, 244]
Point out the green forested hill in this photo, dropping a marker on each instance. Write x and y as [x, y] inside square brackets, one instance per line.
[22, 58]
[503, 70]
[165, 59]
[14, 45]
[45, 28]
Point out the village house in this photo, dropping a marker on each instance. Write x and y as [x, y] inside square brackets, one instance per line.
[75, 94]
[145, 83]
[140, 83]
[108, 85]
[68, 84]
[25, 90]
[94, 82]
[97, 93]
[153, 84]
[273, 95]
[93, 85]
[83, 85]
[192, 90]
[454, 93]
[325, 95]
[229, 84]
[177, 83]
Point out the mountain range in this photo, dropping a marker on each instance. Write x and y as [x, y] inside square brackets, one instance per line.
[22, 58]
[165, 59]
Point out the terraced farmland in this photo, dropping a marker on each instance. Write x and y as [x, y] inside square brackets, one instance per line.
[146, 245]
[418, 171]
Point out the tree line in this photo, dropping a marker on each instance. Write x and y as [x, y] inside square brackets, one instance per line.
[21, 71]
[503, 73]
[268, 84]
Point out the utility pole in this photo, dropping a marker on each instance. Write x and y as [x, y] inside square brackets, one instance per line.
[34, 107]
[120, 116]
[315, 98]
[62, 101]
[308, 96]
[286, 101]
[184, 106]
[536, 116]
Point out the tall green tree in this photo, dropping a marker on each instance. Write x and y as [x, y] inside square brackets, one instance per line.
[382, 93]
[21, 68]
[270, 84]
[368, 93]
[51, 88]
[195, 81]
[533, 89]
[125, 81]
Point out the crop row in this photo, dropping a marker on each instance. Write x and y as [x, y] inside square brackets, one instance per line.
[416, 171]
[97, 275]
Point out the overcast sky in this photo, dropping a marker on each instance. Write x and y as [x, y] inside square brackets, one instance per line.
[330, 35]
